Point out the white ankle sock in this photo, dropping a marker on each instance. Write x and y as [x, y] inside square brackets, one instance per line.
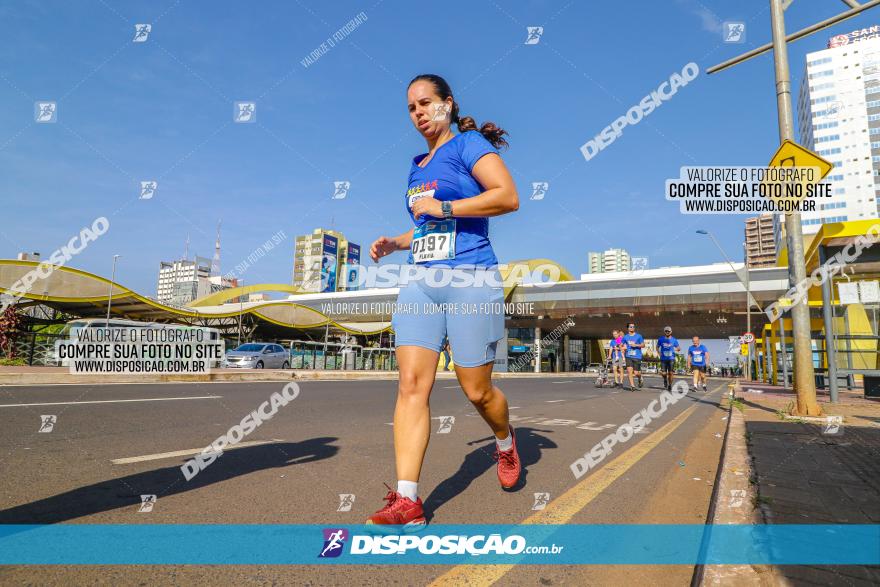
[408, 489]
[505, 444]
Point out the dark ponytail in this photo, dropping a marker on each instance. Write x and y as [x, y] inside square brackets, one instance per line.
[492, 132]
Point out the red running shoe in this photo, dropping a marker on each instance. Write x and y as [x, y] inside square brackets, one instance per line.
[400, 511]
[509, 467]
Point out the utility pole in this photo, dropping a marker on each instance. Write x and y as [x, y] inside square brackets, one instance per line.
[804, 376]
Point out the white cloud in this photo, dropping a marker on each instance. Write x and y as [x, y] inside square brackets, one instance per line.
[708, 19]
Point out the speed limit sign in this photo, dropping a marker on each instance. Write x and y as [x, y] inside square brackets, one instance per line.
[748, 338]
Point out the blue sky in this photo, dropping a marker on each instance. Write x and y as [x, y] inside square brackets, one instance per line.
[163, 110]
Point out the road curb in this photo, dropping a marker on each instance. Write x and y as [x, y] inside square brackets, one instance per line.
[733, 502]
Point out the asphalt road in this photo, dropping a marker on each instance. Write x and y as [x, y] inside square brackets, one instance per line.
[111, 444]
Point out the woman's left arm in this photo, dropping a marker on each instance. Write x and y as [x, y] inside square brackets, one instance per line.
[500, 196]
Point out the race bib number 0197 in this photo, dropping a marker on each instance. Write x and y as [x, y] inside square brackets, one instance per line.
[434, 241]
[416, 197]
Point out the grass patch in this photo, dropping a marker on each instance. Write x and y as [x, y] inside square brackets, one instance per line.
[783, 413]
[13, 362]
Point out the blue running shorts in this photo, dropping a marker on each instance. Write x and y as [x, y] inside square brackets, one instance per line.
[465, 304]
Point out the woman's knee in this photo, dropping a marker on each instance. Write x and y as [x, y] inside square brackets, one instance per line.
[412, 387]
[478, 392]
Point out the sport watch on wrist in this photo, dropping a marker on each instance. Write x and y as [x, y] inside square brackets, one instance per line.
[446, 206]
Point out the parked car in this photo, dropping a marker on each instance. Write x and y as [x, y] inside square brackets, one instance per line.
[257, 355]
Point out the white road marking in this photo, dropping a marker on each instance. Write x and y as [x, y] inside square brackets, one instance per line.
[112, 401]
[452, 387]
[187, 452]
[562, 382]
[554, 401]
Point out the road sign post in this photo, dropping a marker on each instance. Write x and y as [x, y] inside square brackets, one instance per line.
[797, 272]
[805, 384]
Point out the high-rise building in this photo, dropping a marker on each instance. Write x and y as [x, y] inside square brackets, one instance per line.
[609, 261]
[184, 280]
[839, 118]
[322, 260]
[180, 281]
[760, 241]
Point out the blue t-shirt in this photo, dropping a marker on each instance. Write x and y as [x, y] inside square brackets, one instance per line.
[447, 177]
[698, 355]
[633, 353]
[616, 349]
[667, 345]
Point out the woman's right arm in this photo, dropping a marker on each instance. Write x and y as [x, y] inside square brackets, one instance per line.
[404, 241]
[384, 245]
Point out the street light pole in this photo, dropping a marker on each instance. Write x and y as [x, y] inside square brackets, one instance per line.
[749, 306]
[746, 281]
[240, 311]
[804, 375]
[110, 295]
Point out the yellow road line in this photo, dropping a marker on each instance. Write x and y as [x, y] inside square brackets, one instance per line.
[562, 509]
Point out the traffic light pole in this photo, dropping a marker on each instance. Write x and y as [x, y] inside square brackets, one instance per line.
[804, 375]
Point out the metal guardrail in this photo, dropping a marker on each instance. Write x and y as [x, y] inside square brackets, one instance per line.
[35, 348]
[335, 356]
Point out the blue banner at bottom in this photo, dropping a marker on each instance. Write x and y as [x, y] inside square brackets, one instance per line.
[141, 544]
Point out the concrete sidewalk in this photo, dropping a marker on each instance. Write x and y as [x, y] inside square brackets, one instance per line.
[846, 396]
[803, 473]
[60, 375]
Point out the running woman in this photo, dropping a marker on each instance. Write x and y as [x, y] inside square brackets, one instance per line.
[633, 342]
[698, 360]
[667, 345]
[453, 189]
[615, 357]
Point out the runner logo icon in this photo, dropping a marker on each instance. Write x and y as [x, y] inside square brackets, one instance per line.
[147, 503]
[47, 423]
[334, 541]
[346, 500]
[541, 501]
[446, 423]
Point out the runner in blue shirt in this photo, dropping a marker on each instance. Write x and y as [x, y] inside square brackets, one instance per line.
[667, 346]
[615, 356]
[452, 190]
[633, 344]
[698, 361]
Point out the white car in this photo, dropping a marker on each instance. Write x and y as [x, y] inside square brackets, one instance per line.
[257, 355]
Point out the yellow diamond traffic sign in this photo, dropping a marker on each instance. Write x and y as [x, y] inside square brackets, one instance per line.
[801, 170]
[791, 154]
